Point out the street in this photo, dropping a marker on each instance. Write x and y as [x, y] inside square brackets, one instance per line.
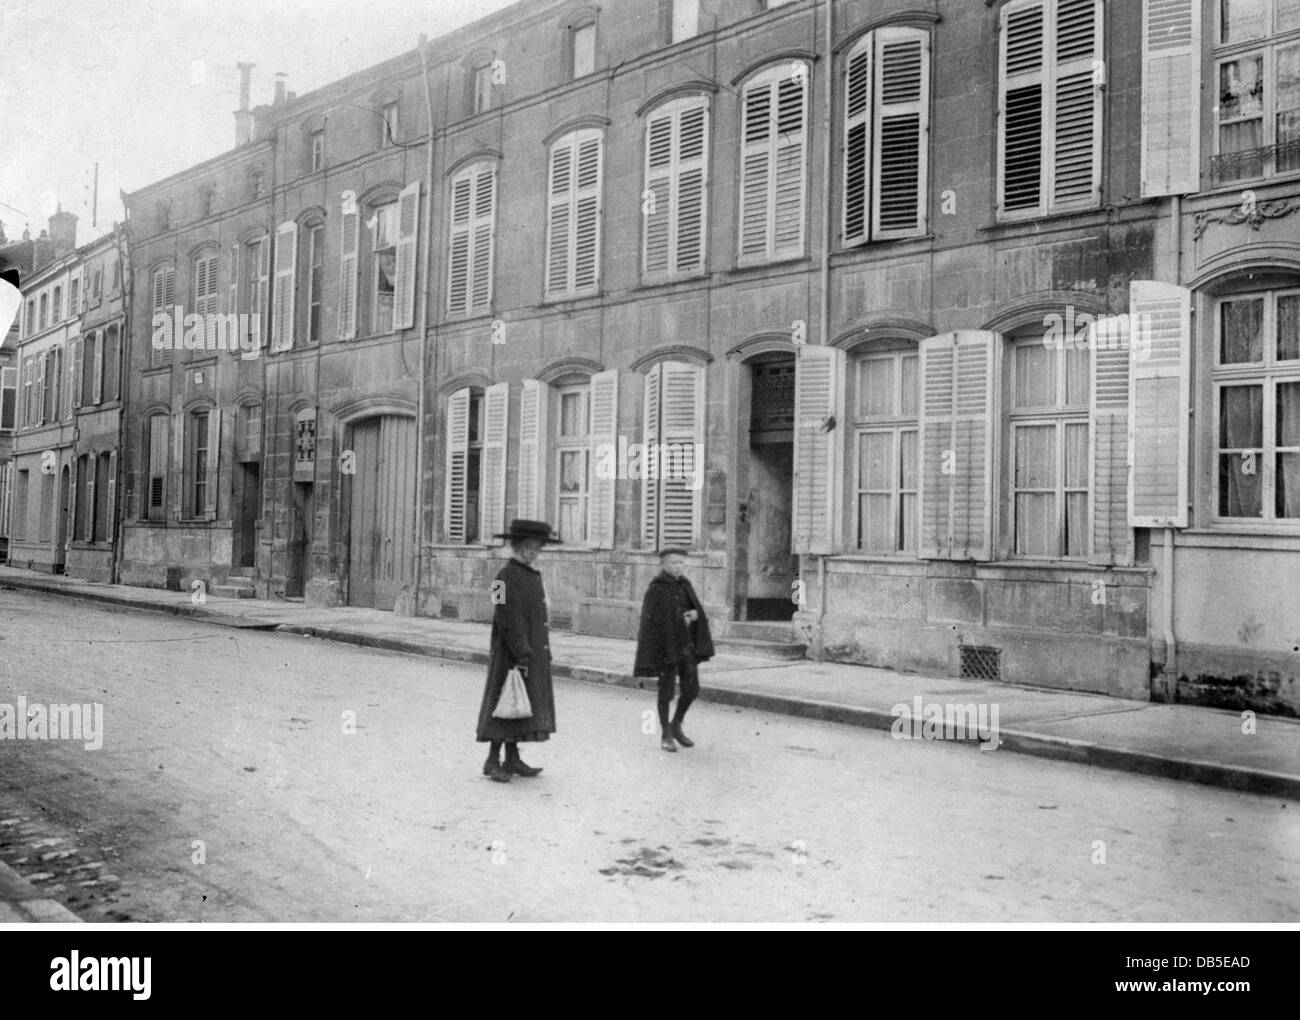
[248, 776]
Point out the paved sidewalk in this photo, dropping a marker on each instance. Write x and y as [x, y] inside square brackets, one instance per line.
[1181, 742]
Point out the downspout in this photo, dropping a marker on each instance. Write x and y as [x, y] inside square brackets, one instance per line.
[119, 500]
[424, 332]
[1167, 588]
[827, 91]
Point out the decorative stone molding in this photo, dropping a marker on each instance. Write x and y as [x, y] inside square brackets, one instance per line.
[1258, 213]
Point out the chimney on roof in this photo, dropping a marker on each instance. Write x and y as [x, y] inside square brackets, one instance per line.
[279, 87]
[244, 116]
[63, 230]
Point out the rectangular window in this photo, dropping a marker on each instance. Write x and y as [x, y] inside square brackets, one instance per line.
[886, 426]
[58, 305]
[676, 189]
[156, 453]
[1049, 124]
[99, 524]
[573, 463]
[317, 150]
[74, 291]
[164, 298]
[46, 525]
[582, 42]
[197, 468]
[315, 280]
[80, 511]
[388, 125]
[31, 317]
[8, 399]
[96, 286]
[1257, 406]
[474, 468]
[573, 218]
[470, 258]
[686, 20]
[19, 529]
[112, 369]
[45, 311]
[384, 256]
[672, 469]
[773, 173]
[482, 85]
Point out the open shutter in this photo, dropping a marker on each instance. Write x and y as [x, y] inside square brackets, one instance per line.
[158, 347]
[1159, 392]
[214, 463]
[682, 433]
[232, 289]
[74, 369]
[349, 235]
[167, 290]
[586, 237]
[1108, 478]
[1171, 96]
[408, 229]
[8, 399]
[179, 467]
[88, 519]
[492, 485]
[110, 504]
[1076, 104]
[790, 176]
[650, 490]
[604, 429]
[959, 375]
[1021, 108]
[458, 258]
[485, 200]
[77, 526]
[457, 463]
[532, 433]
[263, 287]
[756, 172]
[559, 218]
[657, 220]
[286, 267]
[899, 164]
[857, 141]
[42, 412]
[818, 424]
[97, 378]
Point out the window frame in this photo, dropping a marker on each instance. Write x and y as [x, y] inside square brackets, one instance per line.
[316, 150]
[897, 423]
[676, 110]
[313, 232]
[586, 23]
[574, 196]
[579, 443]
[771, 78]
[388, 207]
[471, 227]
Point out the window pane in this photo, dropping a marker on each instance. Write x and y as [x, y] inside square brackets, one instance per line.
[1076, 376]
[1241, 417]
[1243, 19]
[1239, 490]
[1076, 455]
[1288, 15]
[1288, 485]
[1288, 327]
[584, 50]
[1035, 524]
[1076, 524]
[874, 525]
[571, 471]
[907, 523]
[1242, 330]
[1241, 88]
[685, 19]
[911, 389]
[875, 461]
[1035, 379]
[1288, 414]
[571, 416]
[907, 460]
[1288, 108]
[571, 521]
[876, 387]
[1036, 457]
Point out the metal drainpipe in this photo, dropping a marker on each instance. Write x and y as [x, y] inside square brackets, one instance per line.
[424, 332]
[119, 497]
[827, 92]
[1167, 588]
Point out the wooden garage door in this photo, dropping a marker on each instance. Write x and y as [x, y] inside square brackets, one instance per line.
[381, 538]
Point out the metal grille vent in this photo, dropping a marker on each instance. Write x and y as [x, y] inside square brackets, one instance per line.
[173, 578]
[981, 663]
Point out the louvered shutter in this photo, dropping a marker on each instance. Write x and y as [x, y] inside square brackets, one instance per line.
[214, 464]
[263, 287]
[232, 290]
[1171, 95]
[659, 184]
[88, 521]
[676, 175]
[179, 470]
[42, 411]
[857, 141]
[1022, 107]
[532, 432]
[349, 235]
[1108, 477]
[1076, 107]
[8, 398]
[286, 269]
[959, 375]
[573, 242]
[458, 258]
[650, 489]
[408, 230]
[756, 172]
[604, 433]
[899, 163]
[470, 259]
[110, 504]
[682, 433]
[559, 219]
[692, 189]
[586, 241]
[818, 428]
[457, 463]
[97, 378]
[790, 167]
[77, 523]
[169, 306]
[157, 456]
[74, 370]
[160, 349]
[773, 168]
[484, 243]
[1159, 388]
[492, 485]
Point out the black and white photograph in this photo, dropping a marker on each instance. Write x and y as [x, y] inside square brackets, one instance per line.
[651, 464]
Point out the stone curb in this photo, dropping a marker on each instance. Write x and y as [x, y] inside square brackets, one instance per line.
[22, 903]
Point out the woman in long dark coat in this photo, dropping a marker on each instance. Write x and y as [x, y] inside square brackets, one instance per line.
[520, 638]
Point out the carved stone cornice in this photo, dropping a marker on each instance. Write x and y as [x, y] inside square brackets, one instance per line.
[1255, 215]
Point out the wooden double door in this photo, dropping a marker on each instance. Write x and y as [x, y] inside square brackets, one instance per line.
[381, 533]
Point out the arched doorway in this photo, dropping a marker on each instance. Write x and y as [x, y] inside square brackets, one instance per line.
[381, 510]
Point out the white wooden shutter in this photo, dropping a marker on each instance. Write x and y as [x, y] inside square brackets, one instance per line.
[88, 521]
[676, 175]
[470, 258]
[157, 457]
[857, 140]
[1159, 392]
[408, 230]
[492, 485]
[457, 463]
[263, 287]
[232, 289]
[179, 470]
[658, 220]
[42, 412]
[97, 380]
[959, 377]
[532, 454]
[110, 503]
[214, 463]
[349, 239]
[484, 243]
[75, 523]
[1076, 104]
[604, 433]
[1022, 107]
[1171, 96]
[682, 432]
[650, 490]
[773, 166]
[74, 369]
[559, 218]
[462, 234]
[901, 132]
[573, 241]
[586, 217]
[818, 430]
[286, 268]
[1108, 474]
[8, 399]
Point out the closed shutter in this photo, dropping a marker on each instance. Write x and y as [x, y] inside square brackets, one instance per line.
[232, 290]
[180, 468]
[573, 242]
[408, 229]
[676, 175]
[1171, 94]
[41, 410]
[110, 504]
[97, 372]
[457, 463]
[76, 523]
[559, 219]
[75, 367]
[857, 141]
[88, 522]
[492, 485]
[483, 246]
[682, 434]
[214, 463]
[658, 219]
[164, 298]
[8, 398]
[958, 373]
[1159, 391]
[818, 424]
[286, 269]
[263, 288]
[1076, 154]
[1022, 107]
[462, 235]
[790, 175]
[1108, 479]
[773, 167]
[470, 259]
[650, 490]
[349, 227]
[586, 258]
[901, 131]
[604, 429]
[532, 455]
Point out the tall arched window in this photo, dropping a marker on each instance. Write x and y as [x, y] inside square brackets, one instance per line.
[774, 164]
[573, 214]
[470, 255]
[675, 196]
